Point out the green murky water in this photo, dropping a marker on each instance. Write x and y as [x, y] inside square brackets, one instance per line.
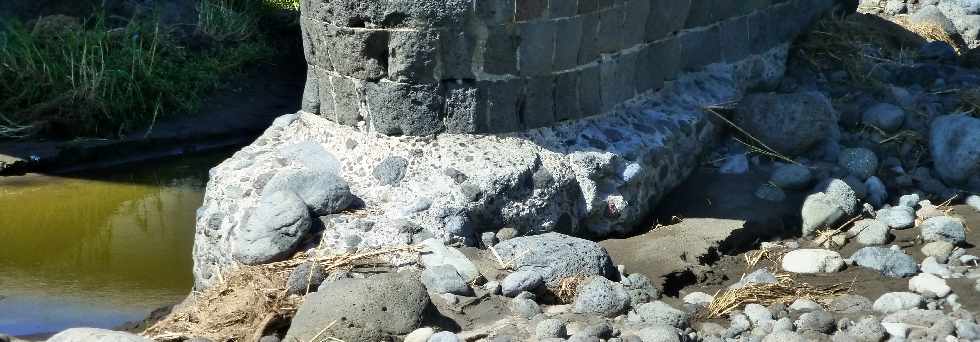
[97, 249]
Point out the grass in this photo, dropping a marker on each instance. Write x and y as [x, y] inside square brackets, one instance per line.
[105, 76]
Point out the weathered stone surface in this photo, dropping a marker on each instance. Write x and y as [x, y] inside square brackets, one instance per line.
[897, 301]
[955, 145]
[557, 256]
[885, 116]
[520, 281]
[436, 254]
[323, 191]
[812, 261]
[93, 334]
[943, 228]
[860, 162]
[601, 296]
[871, 232]
[889, 262]
[274, 230]
[305, 278]
[792, 177]
[445, 279]
[659, 313]
[834, 201]
[788, 123]
[369, 309]
[388, 64]
[588, 178]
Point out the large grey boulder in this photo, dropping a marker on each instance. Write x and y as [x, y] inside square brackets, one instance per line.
[369, 309]
[789, 123]
[889, 262]
[95, 335]
[274, 231]
[323, 190]
[557, 256]
[601, 296]
[822, 209]
[954, 143]
[943, 228]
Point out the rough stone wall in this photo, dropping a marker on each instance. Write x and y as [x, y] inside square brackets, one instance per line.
[420, 67]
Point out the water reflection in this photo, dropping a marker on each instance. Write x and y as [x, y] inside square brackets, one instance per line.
[97, 251]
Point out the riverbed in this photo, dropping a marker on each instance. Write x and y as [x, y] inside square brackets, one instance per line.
[99, 248]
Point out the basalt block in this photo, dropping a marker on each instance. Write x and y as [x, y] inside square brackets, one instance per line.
[614, 49]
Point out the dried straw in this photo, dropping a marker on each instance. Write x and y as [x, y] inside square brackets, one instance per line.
[785, 291]
[249, 299]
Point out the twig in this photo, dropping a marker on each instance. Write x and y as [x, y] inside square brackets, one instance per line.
[324, 330]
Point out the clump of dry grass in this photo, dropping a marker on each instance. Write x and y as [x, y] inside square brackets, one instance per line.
[862, 43]
[932, 33]
[567, 288]
[785, 291]
[771, 254]
[250, 299]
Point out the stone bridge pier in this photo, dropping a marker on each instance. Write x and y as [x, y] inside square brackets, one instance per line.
[451, 119]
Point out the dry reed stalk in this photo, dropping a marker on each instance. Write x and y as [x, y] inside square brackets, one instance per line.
[245, 301]
[771, 254]
[785, 290]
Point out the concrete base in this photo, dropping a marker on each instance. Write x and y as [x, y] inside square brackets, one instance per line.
[591, 177]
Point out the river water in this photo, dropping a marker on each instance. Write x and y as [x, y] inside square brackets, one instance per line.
[97, 249]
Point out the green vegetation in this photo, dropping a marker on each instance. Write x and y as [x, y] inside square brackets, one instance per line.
[103, 76]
